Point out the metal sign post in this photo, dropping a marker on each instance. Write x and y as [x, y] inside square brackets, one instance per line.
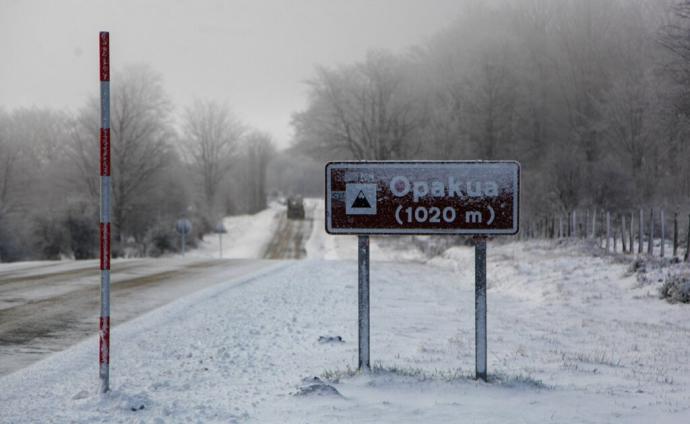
[480, 307]
[363, 301]
[220, 230]
[184, 227]
[104, 228]
[423, 197]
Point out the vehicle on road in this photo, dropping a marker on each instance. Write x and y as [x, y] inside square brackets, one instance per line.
[295, 207]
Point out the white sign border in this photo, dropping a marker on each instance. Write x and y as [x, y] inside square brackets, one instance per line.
[420, 231]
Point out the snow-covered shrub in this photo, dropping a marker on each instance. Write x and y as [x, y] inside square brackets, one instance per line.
[48, 237]
[160, 240]
[676, 288]
[81, 231]
[638, 265]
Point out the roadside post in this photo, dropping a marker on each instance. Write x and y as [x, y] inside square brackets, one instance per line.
[675, 234]
[662, 230]
[608, 230]
[184, 227]
[687, 242]
[480, 307]
[471, 198]
[220, 230]
[640, 232]
[363, 301]
[632, 234]
[104, 227]
[650, 241]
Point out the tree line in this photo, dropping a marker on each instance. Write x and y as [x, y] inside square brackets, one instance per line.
[591, 96]
[208, 166]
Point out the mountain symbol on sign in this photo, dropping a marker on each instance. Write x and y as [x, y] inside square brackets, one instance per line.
[361, 201]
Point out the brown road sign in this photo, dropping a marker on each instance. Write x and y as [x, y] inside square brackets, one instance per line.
[422, 197]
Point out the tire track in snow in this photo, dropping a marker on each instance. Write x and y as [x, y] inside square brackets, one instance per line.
[289, 241]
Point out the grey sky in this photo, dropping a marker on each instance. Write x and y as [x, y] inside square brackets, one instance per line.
[254, 55]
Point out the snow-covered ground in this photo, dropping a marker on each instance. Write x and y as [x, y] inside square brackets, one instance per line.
[572, 338]
[247, 235]
[323, 246]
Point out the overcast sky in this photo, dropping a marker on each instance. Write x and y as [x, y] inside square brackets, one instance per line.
[254, 55]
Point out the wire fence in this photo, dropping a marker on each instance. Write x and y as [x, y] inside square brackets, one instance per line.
[654, 232]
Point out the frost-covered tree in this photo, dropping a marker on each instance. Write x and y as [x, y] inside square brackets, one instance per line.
[141, 131]
[364, 111]
[210, 140]
[259, 150]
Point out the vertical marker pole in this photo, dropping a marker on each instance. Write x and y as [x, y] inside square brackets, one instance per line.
[104, 323]
[363, 301]
[220, 244]
[480, 307]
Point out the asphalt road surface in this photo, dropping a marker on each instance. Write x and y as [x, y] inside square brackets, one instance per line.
[45, 308]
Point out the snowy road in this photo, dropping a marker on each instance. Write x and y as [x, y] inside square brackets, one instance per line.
[50, 306]
[572, 339]
[290, 238]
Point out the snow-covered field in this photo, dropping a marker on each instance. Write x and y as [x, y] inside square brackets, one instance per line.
[572, 338]
[247, 235]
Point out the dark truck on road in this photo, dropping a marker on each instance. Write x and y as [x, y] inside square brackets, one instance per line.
[295, 207]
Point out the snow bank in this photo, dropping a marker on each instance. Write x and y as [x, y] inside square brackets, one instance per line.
[322, 245]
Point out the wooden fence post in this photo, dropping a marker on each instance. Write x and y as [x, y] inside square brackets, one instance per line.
[650, 242]
[663, 233]
[608, 230]
[615, 239]
[640, 232]
[632, 233]
[675, 234]
[623, 233]
[687, 237]
[574, 225]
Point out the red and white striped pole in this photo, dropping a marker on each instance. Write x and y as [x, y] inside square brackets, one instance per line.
[104, 324]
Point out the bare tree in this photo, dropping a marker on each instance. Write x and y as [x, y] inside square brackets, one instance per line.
[140, 132]
[259, 150]
[583, 32]
[210, 139]
[675, 37]
[8, 160]
[361, 110]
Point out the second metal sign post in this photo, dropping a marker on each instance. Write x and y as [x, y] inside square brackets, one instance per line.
[423, 197]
